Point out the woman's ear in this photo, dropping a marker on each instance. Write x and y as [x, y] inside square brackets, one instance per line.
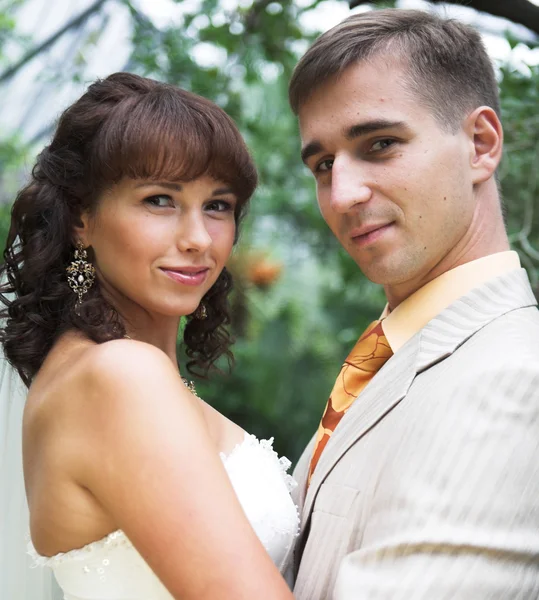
[485, 132]
[81, 230]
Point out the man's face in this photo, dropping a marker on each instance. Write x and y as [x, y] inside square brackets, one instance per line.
[394, 187]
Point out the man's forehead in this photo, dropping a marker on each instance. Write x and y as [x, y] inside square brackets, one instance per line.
[377, 71]
[380, 83]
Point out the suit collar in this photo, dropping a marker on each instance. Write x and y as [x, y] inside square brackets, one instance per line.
[459, 321]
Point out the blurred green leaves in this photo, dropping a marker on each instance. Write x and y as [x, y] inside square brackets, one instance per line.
[519, 172]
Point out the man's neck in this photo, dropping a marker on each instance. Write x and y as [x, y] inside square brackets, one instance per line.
[485, 235]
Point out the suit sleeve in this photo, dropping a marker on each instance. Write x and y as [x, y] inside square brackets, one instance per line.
[460, 519]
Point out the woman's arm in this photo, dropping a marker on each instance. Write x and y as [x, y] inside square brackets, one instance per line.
[145, 454]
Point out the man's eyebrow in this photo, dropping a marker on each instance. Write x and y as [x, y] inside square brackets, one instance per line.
[360, 129]
[310, 149]
[353, 132]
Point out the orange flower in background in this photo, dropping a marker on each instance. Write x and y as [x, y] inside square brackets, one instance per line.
[264, 272]
[256, 268]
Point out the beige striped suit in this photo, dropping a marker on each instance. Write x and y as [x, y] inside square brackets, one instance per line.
[429, 487]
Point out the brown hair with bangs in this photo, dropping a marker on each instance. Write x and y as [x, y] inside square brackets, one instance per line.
[164, 133]
[444, 61]
[123, 126]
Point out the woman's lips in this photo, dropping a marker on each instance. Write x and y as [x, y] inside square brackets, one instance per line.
[187, 276]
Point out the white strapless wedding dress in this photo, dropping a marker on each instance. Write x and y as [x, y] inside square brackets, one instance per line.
[112, 569]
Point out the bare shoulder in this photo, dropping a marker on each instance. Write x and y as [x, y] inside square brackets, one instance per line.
[105, 384]
[81, 384]
[128, 399]
[128, 379]
[123, 362]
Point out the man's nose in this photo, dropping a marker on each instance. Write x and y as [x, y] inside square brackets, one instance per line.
[348, 185]
[192, 234]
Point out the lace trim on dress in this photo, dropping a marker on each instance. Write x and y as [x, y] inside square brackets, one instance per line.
[112, 540]
[251, 441]
[266, 529]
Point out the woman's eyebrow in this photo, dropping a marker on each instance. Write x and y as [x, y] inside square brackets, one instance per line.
[222, 191]
[166, 184]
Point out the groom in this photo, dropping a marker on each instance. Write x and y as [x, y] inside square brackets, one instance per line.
[423, 479]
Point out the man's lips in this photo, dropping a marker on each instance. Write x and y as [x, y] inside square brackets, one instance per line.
[187, 275]
[367, 234]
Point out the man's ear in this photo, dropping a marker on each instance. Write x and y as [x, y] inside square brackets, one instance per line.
[485, 132]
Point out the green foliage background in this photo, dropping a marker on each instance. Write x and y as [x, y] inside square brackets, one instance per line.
[299, 302]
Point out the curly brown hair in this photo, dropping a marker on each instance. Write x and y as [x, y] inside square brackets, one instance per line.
[123, 126]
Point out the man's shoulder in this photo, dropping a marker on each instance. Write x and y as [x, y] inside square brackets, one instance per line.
[506, 347]
[510, 335]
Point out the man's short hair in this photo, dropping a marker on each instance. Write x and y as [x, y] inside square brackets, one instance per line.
[446, 63]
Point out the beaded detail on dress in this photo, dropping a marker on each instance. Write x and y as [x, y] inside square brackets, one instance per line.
[112, 568]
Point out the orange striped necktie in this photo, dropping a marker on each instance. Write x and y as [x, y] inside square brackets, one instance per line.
[370, 353]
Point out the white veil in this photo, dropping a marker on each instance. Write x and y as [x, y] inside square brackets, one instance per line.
[18, 581]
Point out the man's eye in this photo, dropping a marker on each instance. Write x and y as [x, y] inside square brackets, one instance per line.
[160, 201]
[324, 166]
[382, 145]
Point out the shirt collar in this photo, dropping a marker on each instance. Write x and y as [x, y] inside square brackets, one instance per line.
[411, 315]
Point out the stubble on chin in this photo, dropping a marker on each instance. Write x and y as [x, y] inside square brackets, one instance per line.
[395, 268]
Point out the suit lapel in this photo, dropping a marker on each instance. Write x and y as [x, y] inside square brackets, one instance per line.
[437, 340]
[301, 473]
[387, 388]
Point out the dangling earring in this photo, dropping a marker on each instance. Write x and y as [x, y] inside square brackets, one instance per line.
[200, 313]
[80, 273]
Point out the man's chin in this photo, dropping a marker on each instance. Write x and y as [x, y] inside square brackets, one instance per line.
[379, 271]
[384, 274]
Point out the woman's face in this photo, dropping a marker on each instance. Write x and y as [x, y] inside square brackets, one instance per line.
[161, 245]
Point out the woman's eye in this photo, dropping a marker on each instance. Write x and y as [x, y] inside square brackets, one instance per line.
[220, 206]
[382, 145]
[160, 201]
[324, 166]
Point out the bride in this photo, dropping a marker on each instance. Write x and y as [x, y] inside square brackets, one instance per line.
[136, 487]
